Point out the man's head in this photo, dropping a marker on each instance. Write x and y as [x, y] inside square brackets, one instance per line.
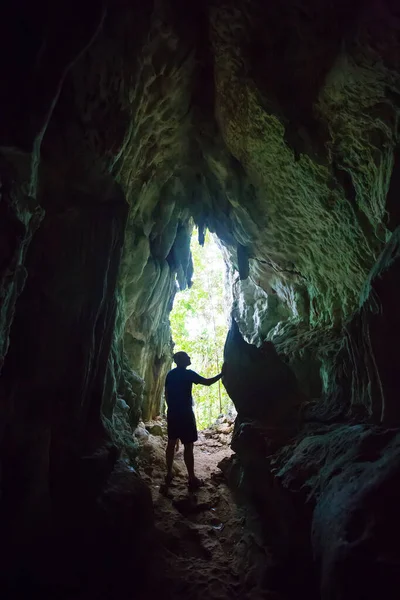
[181, 359]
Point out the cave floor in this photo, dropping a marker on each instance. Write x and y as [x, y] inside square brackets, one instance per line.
[209, 544]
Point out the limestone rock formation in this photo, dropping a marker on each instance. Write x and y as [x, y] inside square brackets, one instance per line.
[260, 384]
[275, 126]
[372, 336]
[350, 475]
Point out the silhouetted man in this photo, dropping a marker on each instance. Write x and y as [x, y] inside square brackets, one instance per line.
[180, 415]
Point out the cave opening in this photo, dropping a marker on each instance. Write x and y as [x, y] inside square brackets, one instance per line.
[199, 324]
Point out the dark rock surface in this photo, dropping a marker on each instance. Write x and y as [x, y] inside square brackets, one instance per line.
[326, 503]
[260, 384]
[373, 339]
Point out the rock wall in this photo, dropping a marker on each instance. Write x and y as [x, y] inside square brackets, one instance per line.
[327, 467]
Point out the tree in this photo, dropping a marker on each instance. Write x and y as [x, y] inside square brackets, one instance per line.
[199, 326]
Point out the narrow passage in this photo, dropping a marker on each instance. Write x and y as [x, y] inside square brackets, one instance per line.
[209, 544]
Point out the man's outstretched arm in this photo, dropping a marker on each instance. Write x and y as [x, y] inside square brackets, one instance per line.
[211, 380]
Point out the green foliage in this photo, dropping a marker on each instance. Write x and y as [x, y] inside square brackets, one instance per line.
[199, 327]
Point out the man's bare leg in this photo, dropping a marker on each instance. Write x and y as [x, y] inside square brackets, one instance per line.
[194, 482]
[169, 455]
[189, 460]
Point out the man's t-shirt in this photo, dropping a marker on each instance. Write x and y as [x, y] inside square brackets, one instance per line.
[178, 385]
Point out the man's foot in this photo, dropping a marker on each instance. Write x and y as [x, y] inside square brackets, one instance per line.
[195, 483]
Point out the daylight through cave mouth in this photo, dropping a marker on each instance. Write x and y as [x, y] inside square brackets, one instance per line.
[199, 324]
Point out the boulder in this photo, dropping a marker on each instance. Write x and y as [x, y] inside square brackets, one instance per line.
[155, 429]
[225, 428]
[141, 433]
[344, 484]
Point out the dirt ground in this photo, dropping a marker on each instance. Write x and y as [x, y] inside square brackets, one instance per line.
[207, 547]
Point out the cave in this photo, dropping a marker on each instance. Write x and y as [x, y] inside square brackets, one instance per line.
[274, 126]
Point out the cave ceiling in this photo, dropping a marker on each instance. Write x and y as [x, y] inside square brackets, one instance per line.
[274, 125]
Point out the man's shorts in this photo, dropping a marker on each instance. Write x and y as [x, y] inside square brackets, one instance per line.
[182, 426]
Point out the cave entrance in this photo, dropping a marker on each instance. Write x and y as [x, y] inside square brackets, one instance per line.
[199, 324]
